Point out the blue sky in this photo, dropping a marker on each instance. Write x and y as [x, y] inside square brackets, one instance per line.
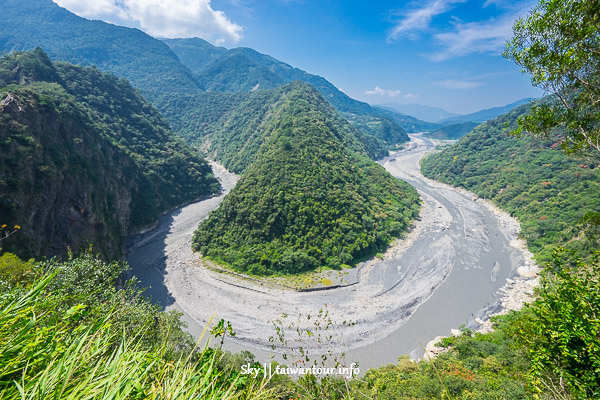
[443, 53]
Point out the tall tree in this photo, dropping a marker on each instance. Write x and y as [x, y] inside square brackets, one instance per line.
[558, 43]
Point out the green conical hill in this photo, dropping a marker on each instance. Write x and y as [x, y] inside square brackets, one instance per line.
[310, 198]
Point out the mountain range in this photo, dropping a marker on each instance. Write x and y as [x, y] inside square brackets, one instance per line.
[549, 192]
[422, 112]
[484, 115]
[164, 78]
[230, 103]
[436, 115]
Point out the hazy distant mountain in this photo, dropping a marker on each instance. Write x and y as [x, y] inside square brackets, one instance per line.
[422, 112]
[452, 131]
[484, 115]
[407, 122]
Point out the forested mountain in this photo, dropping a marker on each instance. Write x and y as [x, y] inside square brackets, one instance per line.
[241, 69]
[549, 192]
[309, 199]
[153, 68]
[244, 69]
[85, 158]
[453, 131]
[484, 115]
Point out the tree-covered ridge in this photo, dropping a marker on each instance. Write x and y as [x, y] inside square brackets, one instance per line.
[408, 123]
[85, 157]
[533, 180]
[308, 200]
[152, 67]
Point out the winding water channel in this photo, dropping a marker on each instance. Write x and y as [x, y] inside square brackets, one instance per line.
[448, 269]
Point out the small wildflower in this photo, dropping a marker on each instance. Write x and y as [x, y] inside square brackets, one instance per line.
[17, 227]
[3, 226]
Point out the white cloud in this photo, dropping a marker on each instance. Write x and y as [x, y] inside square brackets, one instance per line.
[490, 2]
[420, 18]
[453, 84]
[162, 18]
[514, 5]
[474, 37]
[383, 92]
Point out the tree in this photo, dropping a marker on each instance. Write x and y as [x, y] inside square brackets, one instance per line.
[558, 43]
[561, 329]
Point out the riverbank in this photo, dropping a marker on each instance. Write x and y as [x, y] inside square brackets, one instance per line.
[518, 288]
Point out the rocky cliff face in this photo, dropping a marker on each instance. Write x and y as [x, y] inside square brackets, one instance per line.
[84, 159]
[49, 187]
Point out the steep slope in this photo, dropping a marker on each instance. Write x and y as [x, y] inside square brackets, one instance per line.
[484, 115]
[235, 72]
[547, 191]
[244, 69]
[229, 72]
[308, 200]
[195, 53]
[85, 158]
[452, 132]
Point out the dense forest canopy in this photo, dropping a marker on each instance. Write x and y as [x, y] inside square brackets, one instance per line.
[85, 158]
[453, 131]
[555, 197]
[246, 70]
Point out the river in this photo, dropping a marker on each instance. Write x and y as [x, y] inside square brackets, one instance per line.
[447, 270]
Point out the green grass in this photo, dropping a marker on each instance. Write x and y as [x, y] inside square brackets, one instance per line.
[81, 353]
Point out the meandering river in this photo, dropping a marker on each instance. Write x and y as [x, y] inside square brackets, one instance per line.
[448, 269]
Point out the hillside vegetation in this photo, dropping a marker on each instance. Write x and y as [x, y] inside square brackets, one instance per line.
[308, 200]
[85, 158]
[73, 330]
[235, 125]
[547, 191]
[408, 123]
[152, 67]
[548, 350]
